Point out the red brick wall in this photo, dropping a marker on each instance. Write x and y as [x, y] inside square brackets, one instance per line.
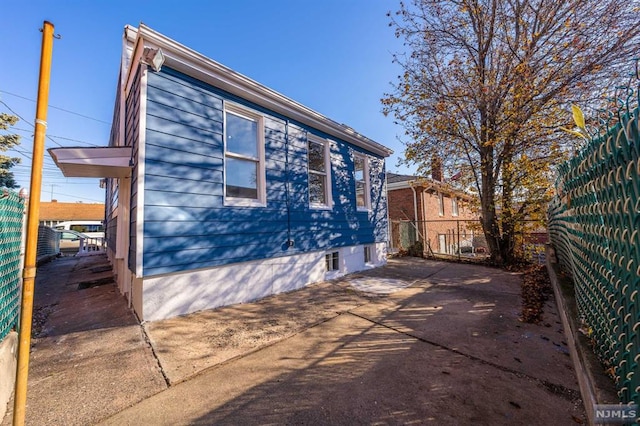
[400, 203]
[401, 208]
[446, 224]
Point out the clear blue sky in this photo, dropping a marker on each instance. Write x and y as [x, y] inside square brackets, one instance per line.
[334, 56]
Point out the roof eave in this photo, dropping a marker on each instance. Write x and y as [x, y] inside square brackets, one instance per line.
[93, 162]
[196, 65]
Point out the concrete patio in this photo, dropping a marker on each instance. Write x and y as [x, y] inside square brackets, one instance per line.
[417, 341]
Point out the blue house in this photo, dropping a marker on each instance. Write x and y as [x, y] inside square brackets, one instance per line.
[221, 190]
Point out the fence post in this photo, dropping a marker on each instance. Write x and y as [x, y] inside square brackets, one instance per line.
[458, 224]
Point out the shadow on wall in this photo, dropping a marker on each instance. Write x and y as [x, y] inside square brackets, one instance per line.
[186, 224]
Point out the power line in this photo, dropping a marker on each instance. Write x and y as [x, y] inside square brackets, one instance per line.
[59, 137]
[58, 108]
[75, 140]
[20, 117]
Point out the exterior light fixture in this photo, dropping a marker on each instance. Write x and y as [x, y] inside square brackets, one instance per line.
[154, 58]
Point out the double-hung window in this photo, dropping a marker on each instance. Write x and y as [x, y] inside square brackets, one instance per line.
[454, 206]
[243, 157]
[362, 181]
[441, 204]
[318, 158]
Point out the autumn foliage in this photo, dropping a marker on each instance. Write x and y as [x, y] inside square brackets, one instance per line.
[487, 84]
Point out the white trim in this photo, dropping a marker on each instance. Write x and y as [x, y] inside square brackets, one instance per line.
[122, 218]
[192, 63]
[94, 161]
[400, 185]
[142, 139]
[328, 190]
[261, 183]
[134, 63]
[386, 204]
[454, 206]
[367, 181]
[127, 54]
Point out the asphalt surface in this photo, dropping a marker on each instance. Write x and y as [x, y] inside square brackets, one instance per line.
[415, 342]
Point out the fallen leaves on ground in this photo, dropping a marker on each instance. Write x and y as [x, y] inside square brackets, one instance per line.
[536, 289]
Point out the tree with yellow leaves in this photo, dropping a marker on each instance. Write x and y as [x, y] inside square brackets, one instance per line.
[8, 141]
[486, 85]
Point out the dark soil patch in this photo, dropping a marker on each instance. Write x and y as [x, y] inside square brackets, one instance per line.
[535, 291]
[95, 283]
[40, 317]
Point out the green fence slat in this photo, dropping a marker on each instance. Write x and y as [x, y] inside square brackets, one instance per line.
[11, 220]
[594, 226]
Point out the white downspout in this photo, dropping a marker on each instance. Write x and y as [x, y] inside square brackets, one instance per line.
[415, 202]
[386, 194]
[415, 210]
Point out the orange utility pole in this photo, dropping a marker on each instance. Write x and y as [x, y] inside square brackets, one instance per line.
[29, 272]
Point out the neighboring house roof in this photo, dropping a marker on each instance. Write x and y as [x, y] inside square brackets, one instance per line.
[396, 178]
[71, 211]
[194, 64]
[397, 181]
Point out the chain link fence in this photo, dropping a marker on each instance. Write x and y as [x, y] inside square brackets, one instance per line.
[48, 242]
[11, 231]
[462, 239]
[594, 224]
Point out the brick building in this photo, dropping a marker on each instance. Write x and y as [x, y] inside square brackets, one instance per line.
[433, 212]
[54, 212]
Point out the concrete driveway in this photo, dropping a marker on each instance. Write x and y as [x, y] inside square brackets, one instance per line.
[416, 342]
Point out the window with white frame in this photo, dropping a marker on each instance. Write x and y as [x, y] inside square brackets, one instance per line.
[362, 181]
[243, 157]
[319, 163]
[454, 206]
[441, 204]
[332, 261]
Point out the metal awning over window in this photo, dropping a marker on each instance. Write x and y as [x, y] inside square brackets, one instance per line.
[94, 162]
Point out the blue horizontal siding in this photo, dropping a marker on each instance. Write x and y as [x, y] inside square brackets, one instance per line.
[167, 213]
[234, 227]
[179, 171]
[187, 225]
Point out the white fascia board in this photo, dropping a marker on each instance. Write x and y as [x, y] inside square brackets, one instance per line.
[398, 185]
[196, 65]
[99, 162]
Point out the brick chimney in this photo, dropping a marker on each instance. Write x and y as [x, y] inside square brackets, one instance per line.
[436, 168]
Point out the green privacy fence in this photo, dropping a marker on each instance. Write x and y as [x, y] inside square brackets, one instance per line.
[594, 226]
[11, 219]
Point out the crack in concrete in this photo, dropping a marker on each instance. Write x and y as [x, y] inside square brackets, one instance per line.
[560, 390]
[155, 356]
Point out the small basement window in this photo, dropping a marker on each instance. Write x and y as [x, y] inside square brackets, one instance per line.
[332, 261]
[367, 254]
